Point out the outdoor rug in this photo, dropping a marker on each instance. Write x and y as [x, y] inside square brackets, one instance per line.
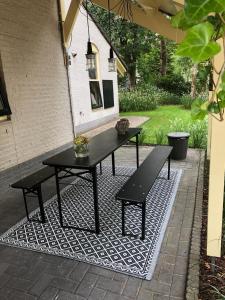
[109, 249]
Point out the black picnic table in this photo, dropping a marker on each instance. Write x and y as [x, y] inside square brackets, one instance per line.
[100, 147]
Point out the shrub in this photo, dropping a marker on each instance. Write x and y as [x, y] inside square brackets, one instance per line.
[178, 125]
[142, 136]
[187, 101]
[139, 99]
[145, 97]
[174, 84]
[198, 132]
[160, 136]
[166, 98]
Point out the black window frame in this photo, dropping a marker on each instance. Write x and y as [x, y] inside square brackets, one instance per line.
[100, 103]
[5, 111]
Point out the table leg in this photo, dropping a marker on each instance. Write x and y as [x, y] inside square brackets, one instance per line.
[113, 164]
[137, 151]
[100, 165]
[42, 211]
[58, 197]
[95, 194]
[168, 177]
[25, 203]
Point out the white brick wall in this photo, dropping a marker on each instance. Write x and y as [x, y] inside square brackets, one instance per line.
[36, 81]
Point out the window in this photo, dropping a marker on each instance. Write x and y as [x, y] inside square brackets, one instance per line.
[95, 91]
[108, 93]
[4, 104]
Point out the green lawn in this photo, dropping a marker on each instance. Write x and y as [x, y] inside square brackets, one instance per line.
[160, 120]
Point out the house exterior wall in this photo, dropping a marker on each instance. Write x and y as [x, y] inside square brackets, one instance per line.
[85, 117]
[36, 81]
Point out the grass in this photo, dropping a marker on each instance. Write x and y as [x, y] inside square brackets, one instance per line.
[160, 119]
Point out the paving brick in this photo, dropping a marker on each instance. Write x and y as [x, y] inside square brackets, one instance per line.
[19, 284]
[67, 285]
[181, 265]
[178, 286]
[156, 286]
[49, 293]
[102, 272]
[79, 271]
[132, 287]
[111, 285]
[113, 296]
[3, 267]
[87, 284]
[68, 296]
[145, 294]
[97, 294]
[41, 284]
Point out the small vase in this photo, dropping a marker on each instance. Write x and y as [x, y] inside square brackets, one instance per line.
[122, 126]
[81, 150]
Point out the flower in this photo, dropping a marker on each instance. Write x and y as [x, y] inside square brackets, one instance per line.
[80, 140]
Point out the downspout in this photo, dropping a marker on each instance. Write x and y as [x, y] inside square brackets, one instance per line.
[66, 56]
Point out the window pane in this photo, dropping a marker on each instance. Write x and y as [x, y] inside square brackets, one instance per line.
[1, 103]
[96, 98]
[92, 74]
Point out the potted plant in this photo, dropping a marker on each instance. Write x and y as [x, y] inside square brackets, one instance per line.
[80, 145]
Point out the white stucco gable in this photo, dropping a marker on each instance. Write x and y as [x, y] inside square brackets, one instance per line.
[85, 117]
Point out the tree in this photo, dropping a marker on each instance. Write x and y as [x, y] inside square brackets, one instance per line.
[163, 56]
[131, 40]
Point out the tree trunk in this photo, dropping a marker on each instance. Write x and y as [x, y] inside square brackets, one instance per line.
[163, 57]
[194, 71]
[132, 77]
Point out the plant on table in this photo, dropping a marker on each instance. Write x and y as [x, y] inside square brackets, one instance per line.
[204, 23]
[81, 146]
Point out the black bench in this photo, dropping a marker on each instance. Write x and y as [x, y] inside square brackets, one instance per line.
[31, 186]
[136, 189]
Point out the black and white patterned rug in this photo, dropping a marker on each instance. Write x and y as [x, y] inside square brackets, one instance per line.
[109, 249]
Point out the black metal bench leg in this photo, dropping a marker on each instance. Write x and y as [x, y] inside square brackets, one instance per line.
[168, 177]
[143, 221]
[123, 218]
[113, 164]
[58, 197]
[137, 151]
[40, 199]
[95, 194]
[25, 203]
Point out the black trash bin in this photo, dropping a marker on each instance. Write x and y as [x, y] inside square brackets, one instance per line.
[179, 142]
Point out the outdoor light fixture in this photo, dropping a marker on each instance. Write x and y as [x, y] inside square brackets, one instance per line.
[90, 55]
[111, 59]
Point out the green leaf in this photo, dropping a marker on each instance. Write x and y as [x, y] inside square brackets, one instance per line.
[221, 95]
[181, 21]
[197, 44]
[213, 107]
[222, 85]
[196, 10]
[222, 104]
[197, 111]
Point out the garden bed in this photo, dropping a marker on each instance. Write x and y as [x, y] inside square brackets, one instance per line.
[212, 274]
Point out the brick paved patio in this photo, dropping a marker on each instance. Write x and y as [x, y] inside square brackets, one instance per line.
[31, 275]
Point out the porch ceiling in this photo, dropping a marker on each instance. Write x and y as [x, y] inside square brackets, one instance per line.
[151, 14]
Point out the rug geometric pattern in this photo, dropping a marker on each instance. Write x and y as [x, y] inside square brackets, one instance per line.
[109, 249]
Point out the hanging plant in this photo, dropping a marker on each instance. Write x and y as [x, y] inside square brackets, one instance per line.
[204, 23]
